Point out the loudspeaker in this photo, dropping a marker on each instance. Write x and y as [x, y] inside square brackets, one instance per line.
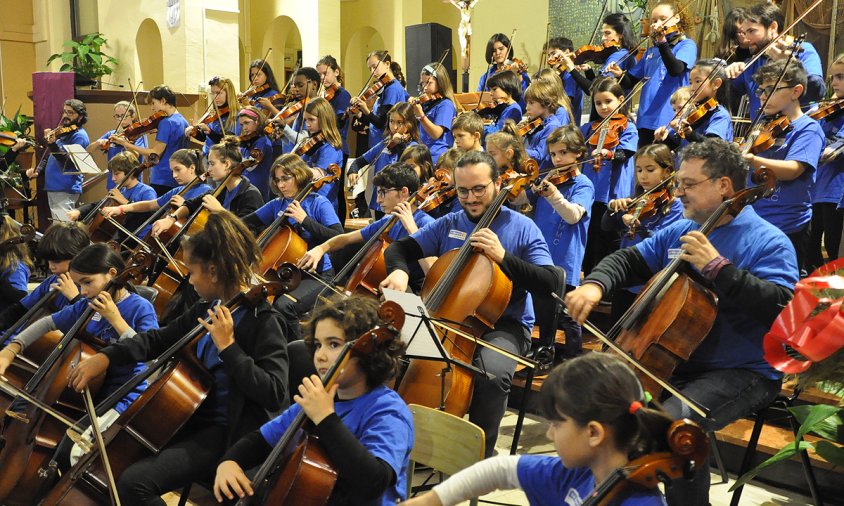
[425, 44]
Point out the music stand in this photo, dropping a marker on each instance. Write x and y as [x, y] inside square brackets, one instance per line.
[81, 159]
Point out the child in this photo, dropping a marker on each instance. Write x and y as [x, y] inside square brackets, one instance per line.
[654, 163]
[239, 195]
[666, 134]
[260, 74]
[448, 161]
[124, 112]
[60, 243]
[468, 128]
[794, 157]
[251, 121]
[506, 91]
[132, 190]
[313, 219]
[332, 86]
[564, 46]
[186, 165]
[380, 63]
[320, 119]
[562, 214]
[564, 108]
[716, 123]
[615, 177]
[396, 183]
[666, 63]
[436, 115]
[14, 264]
[499, 52]
[599, 421]
[364, 427]
[418, 158]
[827, 219]
[125, 311]
[506, 148]
[244, 351]
[222, 94]
[541, 101]
[403, 132]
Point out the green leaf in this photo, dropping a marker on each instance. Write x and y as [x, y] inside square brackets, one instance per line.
[53, 58]
[830, 452]
[83, 51]
[66, 68]
[67, 58]
[71, 43]
[786, 453]
[810, 416]
[96, 58]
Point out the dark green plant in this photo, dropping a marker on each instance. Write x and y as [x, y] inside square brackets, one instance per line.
[20, 125]
[86, 57]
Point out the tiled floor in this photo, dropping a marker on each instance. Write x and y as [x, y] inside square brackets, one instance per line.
[533, 441]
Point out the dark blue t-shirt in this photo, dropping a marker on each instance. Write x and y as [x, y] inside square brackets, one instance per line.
[322, 157]
[389, 96]
[615, 180]
[55, 178]
[171, 132]
[259, 175]
[440, 113]
[654, 104]
[829, 184]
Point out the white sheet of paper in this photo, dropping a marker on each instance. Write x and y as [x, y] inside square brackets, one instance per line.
[414, 332]
[81, 159]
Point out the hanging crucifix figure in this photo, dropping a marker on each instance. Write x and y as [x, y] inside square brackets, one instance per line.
[464, 34]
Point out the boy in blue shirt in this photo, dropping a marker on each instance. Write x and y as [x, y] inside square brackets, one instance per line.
[793, 158]
[62, 186]
[752, 267]
[513, 242]
[563, 45]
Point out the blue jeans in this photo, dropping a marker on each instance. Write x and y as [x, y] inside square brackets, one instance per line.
[729, 394]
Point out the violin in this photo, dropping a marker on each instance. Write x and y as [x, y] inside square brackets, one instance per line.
[665, 31]
[9, 139]
[298, 471]
[62, 131]
[247, 96]
[138, 128]
[831, 109]
[490, 109]
[209, 118]
[595, 54]
[688, 447]
[529, 127]
[245, 139]
[396, 141]
[557, 176]
[442, 191]
[329, 91]
[309, 144]
[765, 137]
[26, 233]
[515, 65]
[696, 115]
[425, 98]
[606, 135]
[370, 92]
[285, 114]
[648, 207]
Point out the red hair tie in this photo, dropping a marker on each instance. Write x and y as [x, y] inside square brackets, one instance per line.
[634, 407]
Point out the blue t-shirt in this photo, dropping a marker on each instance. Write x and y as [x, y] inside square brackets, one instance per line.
[441, 113]
[575, 93]
[381, 161]
[340, 102]
[654, 106]
[566, 242]
[317, 208]
[519, 236]
[547, 482]
[266, 94]
[615, 180]
[493, 70]
[55, 179]
[171, 132]
[397, 232]
[17, 277]
[790, 206]
[718, 123]
[745, 84]
[194, 192]
[115, 148]
[259, 175]
[535, 144]
[382, 423]
[59, 301]
[138, 193]
[215, 407]
[390, 95]
[751, 244]
[617, 57]
[322, 157]
[829, 183]
[512, 112]
[139, 315]
[215, 127]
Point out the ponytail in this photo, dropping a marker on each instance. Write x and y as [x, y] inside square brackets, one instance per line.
[233, 265]
[395, 68]
[229, 149]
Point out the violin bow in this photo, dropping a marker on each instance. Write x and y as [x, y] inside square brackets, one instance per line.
[646, 38]
[302, 114]
[598, 23]
[543, 58]
[693, 96]
[98, 437]
[635, 91]
[438, 67]
[260, 69]
[761, 112]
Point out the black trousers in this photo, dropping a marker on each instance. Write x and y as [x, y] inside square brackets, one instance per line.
[825, 228]
[646, 137]
[800, 241]
[599, 242]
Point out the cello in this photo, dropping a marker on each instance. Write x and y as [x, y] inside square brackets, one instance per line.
[279, 242]
[141, 431]
[29, 438]
[297, 471]
[462, 286]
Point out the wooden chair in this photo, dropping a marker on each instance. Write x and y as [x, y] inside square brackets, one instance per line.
[443, 442]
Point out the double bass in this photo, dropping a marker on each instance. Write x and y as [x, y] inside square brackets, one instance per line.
[297, 471]
[462, 286]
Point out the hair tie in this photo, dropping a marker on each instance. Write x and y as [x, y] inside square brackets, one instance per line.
[634, 407]
[648, 397]
[428, 69]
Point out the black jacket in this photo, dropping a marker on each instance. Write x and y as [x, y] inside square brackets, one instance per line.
[247, 199]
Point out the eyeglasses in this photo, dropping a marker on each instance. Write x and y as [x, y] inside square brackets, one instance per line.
[121, 116]
[382, 192]
[679, 185]
[284, 178]
[769, 90]
[477, 191]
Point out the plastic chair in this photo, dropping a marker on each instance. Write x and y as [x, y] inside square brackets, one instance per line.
[443, 442]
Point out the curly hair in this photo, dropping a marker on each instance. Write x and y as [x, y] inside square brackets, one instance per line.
[357, 315]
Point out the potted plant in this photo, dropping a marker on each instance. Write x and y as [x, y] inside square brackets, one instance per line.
[10, 128]
[86, 59]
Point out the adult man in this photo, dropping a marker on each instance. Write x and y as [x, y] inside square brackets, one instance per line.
[515, 243]
[752, 267]
[63, 189]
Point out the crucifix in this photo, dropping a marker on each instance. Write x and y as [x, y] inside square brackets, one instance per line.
[464, 34]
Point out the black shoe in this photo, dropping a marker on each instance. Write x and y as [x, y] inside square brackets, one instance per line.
[544, 357]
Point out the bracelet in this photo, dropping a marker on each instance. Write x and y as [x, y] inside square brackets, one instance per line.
[173, 216]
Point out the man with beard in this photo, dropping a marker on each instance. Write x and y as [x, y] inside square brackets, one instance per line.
[761, 25]
[515, 243]
[63, 189]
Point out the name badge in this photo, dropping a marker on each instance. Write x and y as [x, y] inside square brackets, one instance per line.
[674, 253]
[457, 234]
[97, 317]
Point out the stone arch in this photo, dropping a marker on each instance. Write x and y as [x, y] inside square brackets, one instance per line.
[149, 54]
[284, 37]
[361, 43]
